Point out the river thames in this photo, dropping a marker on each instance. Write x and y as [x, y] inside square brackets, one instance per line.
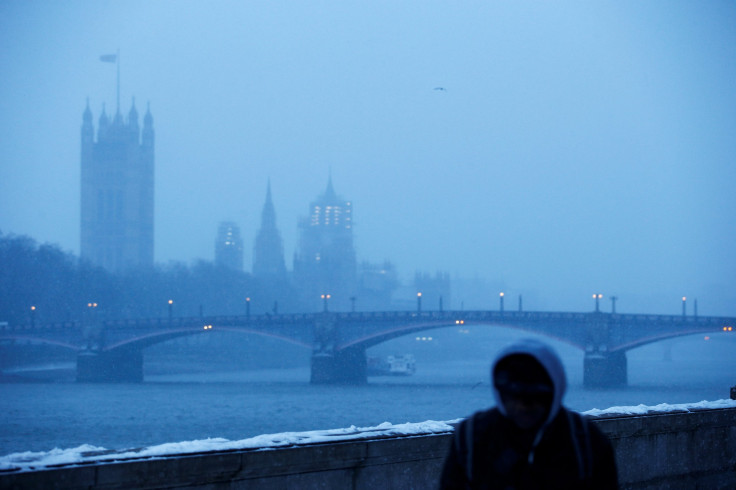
[240, 403]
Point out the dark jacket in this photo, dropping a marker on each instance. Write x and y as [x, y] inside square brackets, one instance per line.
[490, 452]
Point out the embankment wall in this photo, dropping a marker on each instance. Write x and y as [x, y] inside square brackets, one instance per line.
[670, 450]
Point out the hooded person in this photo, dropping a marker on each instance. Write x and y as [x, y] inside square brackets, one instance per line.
[529, 440]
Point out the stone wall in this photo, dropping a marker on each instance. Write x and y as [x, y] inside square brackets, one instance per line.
[672, 450]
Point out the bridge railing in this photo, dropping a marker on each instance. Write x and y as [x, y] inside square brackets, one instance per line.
[301, 318]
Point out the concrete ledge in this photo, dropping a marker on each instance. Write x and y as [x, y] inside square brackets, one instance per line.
[675, 450]
[671, 450]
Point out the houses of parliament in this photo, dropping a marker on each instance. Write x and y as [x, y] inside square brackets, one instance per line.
[117, 225]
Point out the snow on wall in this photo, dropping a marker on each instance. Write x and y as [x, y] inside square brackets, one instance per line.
[28, 461]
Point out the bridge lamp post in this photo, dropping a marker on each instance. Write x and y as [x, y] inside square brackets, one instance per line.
[33, 316]
[247, 307]
[171, 310]
[325, 297]
[92, 308]
[500, 302]
[613, 303]
[419, 302]
[352, 304]
[597, 298]
[684, 306]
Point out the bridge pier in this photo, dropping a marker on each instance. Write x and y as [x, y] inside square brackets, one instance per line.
[118, 366]
[605, 369]
[348, 366]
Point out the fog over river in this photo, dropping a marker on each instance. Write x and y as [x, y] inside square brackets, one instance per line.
[236, 404]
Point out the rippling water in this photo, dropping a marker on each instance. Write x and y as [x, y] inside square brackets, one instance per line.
[238, 404]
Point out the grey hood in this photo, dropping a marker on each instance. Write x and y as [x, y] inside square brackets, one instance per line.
[548, 358]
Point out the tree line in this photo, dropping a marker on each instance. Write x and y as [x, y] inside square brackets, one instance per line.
[41, 283]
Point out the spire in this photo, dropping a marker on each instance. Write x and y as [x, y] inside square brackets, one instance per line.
[148, 118]
[133, 128]
[133, 114]
[87, 126]
[87, 116]
[268, 215]
[103, 116]
[268, 250]
[147, 133]
[103, 124]
[329, 194]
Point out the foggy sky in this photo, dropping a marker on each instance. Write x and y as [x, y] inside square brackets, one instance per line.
[578, 147]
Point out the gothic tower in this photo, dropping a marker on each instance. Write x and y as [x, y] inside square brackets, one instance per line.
[268, 250]
[271, 285]
[117, 191]
[325, 262]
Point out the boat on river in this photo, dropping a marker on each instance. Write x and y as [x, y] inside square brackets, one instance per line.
[392, 365]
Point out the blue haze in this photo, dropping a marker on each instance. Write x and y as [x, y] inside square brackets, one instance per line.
[577, 147]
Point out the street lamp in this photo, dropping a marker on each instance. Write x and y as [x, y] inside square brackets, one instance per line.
[520, 308]
[33, 316]
[171, 310]
[684, 305]
[419, 302]
[325, 297]
[597, 298]
[500, 302]
[247, 307]
[613, 304]
[92, 307]
[352, 304]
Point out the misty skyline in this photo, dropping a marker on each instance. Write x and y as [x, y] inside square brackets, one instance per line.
[576, 148]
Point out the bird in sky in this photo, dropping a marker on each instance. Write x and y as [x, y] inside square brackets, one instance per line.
[441, 89]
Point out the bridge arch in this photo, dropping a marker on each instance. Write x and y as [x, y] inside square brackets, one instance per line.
[149, 339]
[401, 330]
[662, 336]
[41, 340]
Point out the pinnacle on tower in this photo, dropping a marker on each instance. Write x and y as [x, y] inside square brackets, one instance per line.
[268, 215]
[268, 250]
[148, 118]
[133, 114]
[87, 116]
[329, 194]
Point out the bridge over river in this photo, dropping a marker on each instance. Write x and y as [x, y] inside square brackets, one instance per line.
[113, 350]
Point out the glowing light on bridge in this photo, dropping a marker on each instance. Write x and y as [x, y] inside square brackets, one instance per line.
[459, 322]
[597, 298]
[684, 305]
[727, 329]
[325, 297]
[208, 327]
